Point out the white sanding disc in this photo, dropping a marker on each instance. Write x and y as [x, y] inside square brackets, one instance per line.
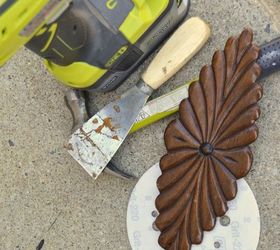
[242, 231]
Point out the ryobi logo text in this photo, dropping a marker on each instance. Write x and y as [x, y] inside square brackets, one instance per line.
[116, 56]
[111, 4]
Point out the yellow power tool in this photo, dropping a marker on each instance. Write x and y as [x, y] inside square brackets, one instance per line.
[88, 44]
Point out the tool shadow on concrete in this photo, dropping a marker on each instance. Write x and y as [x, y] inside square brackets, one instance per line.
[46, 195]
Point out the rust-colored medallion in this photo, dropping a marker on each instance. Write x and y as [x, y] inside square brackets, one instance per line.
[207, 147]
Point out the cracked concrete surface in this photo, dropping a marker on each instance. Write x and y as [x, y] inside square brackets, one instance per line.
[44, 194]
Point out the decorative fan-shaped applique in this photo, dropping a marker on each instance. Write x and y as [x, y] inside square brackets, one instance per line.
[208, 145]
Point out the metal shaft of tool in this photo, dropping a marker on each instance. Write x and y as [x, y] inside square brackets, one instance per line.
[269, 59]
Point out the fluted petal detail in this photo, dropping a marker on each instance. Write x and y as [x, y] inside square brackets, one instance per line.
[199, 108]
[216, 193]
[208, 145]
[177, 137]
[173, 175]
[208, 84]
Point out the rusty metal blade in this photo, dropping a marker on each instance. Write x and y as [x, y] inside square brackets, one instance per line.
[96, 142]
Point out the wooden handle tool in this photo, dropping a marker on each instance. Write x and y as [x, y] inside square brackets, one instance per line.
[187, 40]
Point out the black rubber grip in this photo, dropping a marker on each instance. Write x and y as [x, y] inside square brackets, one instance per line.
[269, 58]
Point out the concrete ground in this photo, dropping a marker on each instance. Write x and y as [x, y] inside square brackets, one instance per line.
[44, 194]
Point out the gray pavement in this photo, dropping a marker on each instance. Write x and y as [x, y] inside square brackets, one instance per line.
[44, 194]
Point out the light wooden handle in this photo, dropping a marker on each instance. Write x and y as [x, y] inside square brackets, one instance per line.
[187, 40]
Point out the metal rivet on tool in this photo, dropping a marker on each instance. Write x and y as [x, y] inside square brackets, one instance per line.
[155, 214]
[217, 244]
[225, 221]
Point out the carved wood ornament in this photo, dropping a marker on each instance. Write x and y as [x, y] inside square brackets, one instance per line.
[207, 146]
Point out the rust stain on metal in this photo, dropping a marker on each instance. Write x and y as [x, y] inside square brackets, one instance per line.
[115, 137]
[87, 138]
[107, 123]
[69, 146]
[117, 109]
[99, 129]
[95, 121]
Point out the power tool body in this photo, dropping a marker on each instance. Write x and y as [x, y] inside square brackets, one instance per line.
[88, 44]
